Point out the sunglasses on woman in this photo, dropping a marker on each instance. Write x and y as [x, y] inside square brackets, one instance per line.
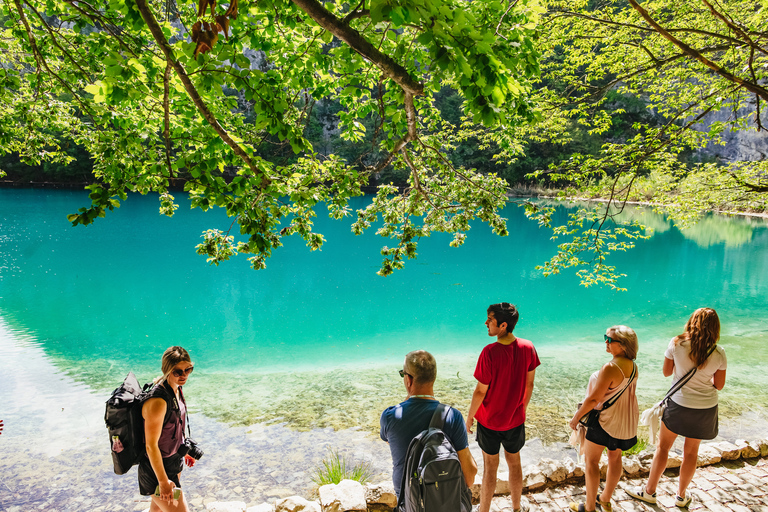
[178, 372]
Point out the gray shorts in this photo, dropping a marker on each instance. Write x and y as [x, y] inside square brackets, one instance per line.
[692, 423]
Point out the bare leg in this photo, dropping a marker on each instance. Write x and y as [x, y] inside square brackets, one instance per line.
[515, 478]
[660, 456]
[613, 475]
[688, 467]
[592, 453]
[490, 468]
[159, 505]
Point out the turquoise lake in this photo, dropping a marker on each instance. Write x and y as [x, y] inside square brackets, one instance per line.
[313, 343]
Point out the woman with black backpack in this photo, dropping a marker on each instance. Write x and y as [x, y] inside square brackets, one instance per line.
[165, 413]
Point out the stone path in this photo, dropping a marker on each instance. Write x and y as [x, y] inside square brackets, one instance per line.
[734, 486]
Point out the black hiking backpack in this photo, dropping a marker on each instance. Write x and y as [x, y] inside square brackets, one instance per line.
[432, 476]
[126, 424]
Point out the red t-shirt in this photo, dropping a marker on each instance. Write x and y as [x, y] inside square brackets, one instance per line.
[504, 368]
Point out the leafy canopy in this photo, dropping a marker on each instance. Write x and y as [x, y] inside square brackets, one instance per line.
[157, 103]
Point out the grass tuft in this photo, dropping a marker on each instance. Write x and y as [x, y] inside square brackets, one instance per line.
[335, 467]
[642, 444]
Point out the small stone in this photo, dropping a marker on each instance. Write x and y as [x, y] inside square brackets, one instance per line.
[344, 496]
[226, 506]
[533, 480]
[728, 451]
[264, 507]
[552, 470]
[763, 443]
[570, 466]
[707, 455]
[674, 460]
[296, 504]
[382, 493]
[631, 465]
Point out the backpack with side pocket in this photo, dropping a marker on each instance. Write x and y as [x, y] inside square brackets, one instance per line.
[432, 477]
[125, 423]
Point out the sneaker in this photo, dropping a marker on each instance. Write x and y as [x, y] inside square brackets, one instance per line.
[683, 502]
[639, 493]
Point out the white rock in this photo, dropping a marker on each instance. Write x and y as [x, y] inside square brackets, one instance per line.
[707, 455]
[570, 466]
[382, 493]
[728, 451]
[532, 478]
[344, 496]
[226, 506]
[296, 504]
[631, 465]
[763, 443]
[264, 507]
[674, 460]
[603, 466]
[554, 471]
[748, 450]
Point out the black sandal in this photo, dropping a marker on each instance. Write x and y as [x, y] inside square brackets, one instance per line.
[579, 507]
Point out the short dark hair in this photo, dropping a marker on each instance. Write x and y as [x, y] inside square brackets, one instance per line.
[504, 312]
[422, 366]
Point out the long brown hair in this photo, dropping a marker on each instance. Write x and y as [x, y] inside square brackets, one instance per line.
[703, 330]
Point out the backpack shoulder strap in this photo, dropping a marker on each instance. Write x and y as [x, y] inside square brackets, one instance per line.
[439, 416]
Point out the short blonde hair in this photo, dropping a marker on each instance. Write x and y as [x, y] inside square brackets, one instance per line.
[627, 338]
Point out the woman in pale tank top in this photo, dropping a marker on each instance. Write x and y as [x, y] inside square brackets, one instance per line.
[617, 428]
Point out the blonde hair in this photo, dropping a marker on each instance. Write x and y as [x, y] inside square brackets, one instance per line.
[703, 330]
[423, 366]
[171, 357]
[627, 338]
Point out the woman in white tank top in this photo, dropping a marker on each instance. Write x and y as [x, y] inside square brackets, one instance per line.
[692, 411]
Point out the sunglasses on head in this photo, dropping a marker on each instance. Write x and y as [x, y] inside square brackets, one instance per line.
[178, 372]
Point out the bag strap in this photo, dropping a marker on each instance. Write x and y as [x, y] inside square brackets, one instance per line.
[615, 397]
[685, 378]
[439, 416]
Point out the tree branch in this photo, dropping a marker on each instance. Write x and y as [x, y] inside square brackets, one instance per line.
[753, 88]
[357, 42]
[162, 42]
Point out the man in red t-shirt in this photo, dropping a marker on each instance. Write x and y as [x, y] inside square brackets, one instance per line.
[504, 373]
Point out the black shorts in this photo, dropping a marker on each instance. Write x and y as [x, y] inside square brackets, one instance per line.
[147, 478]
[490, 440]
[599, 436]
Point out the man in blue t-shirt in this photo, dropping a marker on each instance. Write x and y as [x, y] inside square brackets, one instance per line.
[401, 423]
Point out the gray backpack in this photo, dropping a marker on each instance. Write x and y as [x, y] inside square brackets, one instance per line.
[432, 476]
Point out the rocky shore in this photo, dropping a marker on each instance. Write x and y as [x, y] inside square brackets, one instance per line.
[547, 473]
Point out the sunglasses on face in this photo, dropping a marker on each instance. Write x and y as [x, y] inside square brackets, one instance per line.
[608, 339]
[178, 372]
[403, 374]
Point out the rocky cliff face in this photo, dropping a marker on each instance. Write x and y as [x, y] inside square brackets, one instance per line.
[740, 145]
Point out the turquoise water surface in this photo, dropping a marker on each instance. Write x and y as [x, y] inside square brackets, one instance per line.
[303, 356]
[316, 339]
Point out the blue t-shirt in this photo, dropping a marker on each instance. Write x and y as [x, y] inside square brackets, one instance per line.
[401, 423]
